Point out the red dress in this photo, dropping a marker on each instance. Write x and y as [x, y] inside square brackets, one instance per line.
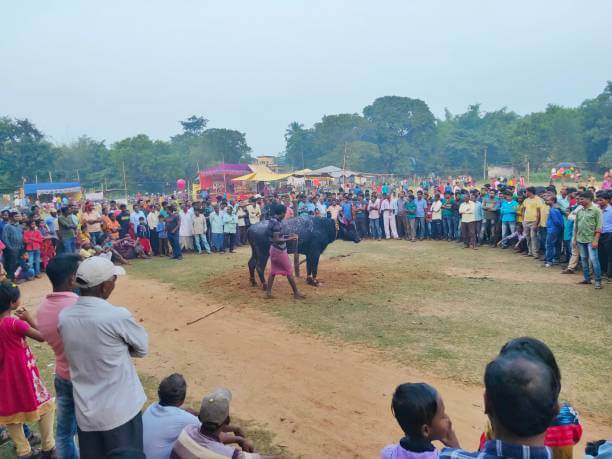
[23, 397]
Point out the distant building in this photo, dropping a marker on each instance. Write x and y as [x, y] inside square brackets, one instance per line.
[269, 161]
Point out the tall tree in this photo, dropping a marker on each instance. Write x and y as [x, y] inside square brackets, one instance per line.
[404, 128]
[299, 150]
[24, 152]
[89, 157]
[597, 124]
[194, 125]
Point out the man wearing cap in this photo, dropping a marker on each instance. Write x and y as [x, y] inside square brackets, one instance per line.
[202, 442]
[99, 340]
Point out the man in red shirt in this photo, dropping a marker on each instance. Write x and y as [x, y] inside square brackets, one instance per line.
[61, 271]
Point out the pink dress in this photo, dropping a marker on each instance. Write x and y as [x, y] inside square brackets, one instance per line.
[24, 397]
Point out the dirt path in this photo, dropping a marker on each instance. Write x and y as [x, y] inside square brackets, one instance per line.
[321, 399]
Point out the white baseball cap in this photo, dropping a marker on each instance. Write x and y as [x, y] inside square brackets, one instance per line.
[95, 270]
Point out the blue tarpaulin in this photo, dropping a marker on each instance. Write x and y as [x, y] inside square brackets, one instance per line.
[52, 188]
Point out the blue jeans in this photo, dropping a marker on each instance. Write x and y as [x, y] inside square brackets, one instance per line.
[34, 260]
[508, 228]
[95, 237]
[27, 274]
[436, 229]
[457, 226]
[375, 228]
[587, 252]
[176, 246]
[201, 243]
[449, 229]
[217, 241]
[420, 227]
[66, 420]
[69, 244]
[552, 247]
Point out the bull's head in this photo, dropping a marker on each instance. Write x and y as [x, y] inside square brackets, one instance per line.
[348, 232]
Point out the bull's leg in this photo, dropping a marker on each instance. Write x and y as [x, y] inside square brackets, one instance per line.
[261, 268]
[252, 265]
[311, 273]
[315, 268]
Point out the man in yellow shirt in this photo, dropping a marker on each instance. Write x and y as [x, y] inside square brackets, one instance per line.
[532, 206]
[544, 211]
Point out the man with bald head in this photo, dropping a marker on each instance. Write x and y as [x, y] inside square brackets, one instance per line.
[521, 402]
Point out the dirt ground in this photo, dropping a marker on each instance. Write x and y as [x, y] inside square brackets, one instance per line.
[319, 397]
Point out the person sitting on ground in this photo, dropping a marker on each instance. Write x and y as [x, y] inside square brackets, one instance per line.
[420, 412]
[205, 441]
[163, 421]
[87, 250]
[24, 271]
[514, 239]
[521, 401]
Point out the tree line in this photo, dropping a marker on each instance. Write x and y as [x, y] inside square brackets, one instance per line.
[392, 135]
[149, 165]
[401, 135]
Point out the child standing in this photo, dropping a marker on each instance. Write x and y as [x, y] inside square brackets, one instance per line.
[32, 239]
[419, 411]
[23, 397]
[162, 236]
[48, 249]
[144, 236]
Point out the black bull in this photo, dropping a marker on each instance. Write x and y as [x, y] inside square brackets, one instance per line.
[314, 234]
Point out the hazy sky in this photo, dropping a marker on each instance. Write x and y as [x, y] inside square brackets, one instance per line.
[112, 69]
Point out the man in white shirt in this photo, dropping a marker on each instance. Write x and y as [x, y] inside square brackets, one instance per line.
[468, 223]
[386, 208]
[152, 221]
[186, 228]
[99, 342]
[436, 217]
[254, 211]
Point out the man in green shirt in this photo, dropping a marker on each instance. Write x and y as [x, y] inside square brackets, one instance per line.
[67, 230]
[589, 223]
[411, 209]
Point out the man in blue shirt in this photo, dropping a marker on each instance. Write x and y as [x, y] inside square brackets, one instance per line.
[507, 212]
[521, 401]
[347, 209]
[421, 205]
[554, 232]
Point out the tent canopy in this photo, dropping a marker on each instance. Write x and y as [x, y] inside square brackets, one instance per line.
[261, 176]
[52, 188]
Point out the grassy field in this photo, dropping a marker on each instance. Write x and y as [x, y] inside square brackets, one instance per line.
[432, 305]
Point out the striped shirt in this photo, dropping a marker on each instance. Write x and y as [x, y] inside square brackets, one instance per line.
[497, 449]
[192, 444]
